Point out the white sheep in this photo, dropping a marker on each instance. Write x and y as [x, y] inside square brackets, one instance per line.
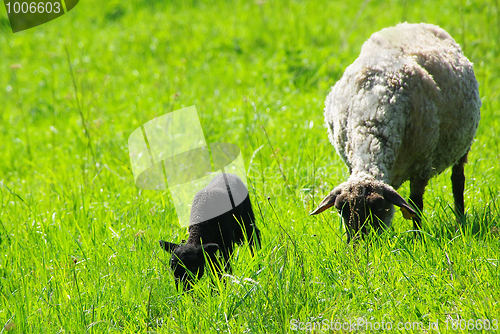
[406, 109]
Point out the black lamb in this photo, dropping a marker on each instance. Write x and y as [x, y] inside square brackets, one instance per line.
[221, 215]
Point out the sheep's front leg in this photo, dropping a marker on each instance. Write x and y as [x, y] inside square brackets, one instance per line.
[417, 189]
[458, 186]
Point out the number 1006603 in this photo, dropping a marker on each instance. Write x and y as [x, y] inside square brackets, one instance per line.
[33, 7]
[472, 324]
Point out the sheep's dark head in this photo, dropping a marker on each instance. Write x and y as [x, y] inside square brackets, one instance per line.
[188, 261]
[365, 203]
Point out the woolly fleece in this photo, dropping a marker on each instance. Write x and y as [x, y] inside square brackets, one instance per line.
[408, 105]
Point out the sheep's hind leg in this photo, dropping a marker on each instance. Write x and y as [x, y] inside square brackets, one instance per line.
[458, 186]
[417, 189]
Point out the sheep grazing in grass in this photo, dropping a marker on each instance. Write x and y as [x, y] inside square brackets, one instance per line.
[209, 230]
[406, 109]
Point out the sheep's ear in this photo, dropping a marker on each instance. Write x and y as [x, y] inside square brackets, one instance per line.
[392, 196]
[210, 248]
[168, 246]
[326, 203]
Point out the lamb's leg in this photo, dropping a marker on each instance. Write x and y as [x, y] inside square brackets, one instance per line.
[458, 185]
[417, 189]
[226, 253]
[253, 238]
[220, 265]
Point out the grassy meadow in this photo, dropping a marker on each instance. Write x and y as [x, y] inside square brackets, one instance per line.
[79, 246]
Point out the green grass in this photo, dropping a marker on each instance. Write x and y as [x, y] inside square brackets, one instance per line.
[79, 241]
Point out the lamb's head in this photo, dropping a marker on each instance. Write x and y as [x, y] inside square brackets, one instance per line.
[363, 202]
[188, 261]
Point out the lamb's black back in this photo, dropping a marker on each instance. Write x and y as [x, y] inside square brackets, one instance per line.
[226, 193]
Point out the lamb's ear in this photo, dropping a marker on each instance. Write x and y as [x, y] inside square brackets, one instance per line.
[168, 246]
[210, 248]
[326, 203]
[392, 196]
